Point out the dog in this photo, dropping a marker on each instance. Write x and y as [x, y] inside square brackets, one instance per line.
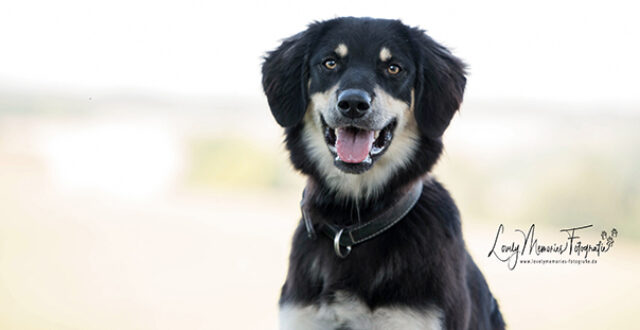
[364, 103]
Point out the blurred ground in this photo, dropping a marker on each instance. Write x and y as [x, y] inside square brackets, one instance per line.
[142, 213]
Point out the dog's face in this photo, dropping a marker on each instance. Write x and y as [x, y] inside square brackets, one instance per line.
[361, 90]
[361, 97]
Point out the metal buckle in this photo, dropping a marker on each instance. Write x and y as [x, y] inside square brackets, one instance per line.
[336, 245]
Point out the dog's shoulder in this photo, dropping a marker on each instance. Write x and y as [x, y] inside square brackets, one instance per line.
[437, 207]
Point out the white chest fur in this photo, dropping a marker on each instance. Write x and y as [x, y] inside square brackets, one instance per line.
[348, 312]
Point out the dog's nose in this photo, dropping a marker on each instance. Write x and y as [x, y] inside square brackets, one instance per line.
[354, 103]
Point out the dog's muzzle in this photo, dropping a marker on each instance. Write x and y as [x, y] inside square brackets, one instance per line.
[354, 137]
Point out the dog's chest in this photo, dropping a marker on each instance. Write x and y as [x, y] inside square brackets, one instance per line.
[347, 312]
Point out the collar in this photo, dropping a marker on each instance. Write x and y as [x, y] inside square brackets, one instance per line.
[346, 237]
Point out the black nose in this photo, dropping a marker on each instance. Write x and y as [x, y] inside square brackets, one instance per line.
[354, 103]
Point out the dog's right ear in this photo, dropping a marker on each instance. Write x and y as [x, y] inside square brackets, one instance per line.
[285, 73]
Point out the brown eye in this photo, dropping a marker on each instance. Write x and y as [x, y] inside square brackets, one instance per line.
[393, 69]
[330, 64]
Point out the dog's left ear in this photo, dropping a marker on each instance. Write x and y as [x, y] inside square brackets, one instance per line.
[440, 83]
[285, 73]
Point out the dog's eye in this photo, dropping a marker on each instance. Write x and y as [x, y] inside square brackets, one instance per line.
[393, 69]
[330, 64]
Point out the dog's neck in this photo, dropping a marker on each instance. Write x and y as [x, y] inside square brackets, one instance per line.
[372, 221]
[347, 211]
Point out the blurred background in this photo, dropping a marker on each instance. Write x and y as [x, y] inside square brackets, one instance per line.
[144, 185]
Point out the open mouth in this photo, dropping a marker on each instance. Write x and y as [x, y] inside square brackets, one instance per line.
[355, 149]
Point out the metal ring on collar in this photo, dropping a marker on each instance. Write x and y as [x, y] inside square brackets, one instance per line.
[336, 245]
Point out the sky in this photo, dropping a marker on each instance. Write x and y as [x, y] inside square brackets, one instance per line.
[563, 51]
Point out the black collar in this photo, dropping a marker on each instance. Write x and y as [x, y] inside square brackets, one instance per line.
[351, 235]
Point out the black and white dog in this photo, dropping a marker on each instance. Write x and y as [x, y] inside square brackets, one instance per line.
[365, 103]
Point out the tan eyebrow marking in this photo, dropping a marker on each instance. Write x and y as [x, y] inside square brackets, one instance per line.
[342, 50]
[385, 54]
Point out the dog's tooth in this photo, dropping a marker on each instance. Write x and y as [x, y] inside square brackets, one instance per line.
[376, 134]
[375, 150]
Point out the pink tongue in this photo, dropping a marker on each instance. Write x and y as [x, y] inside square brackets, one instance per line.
[353, 147]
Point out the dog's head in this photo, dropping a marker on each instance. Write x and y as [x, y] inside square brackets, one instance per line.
[361, 98]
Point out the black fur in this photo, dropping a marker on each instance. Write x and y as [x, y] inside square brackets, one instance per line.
[439, 85]
[424, 255]
[284, 76]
